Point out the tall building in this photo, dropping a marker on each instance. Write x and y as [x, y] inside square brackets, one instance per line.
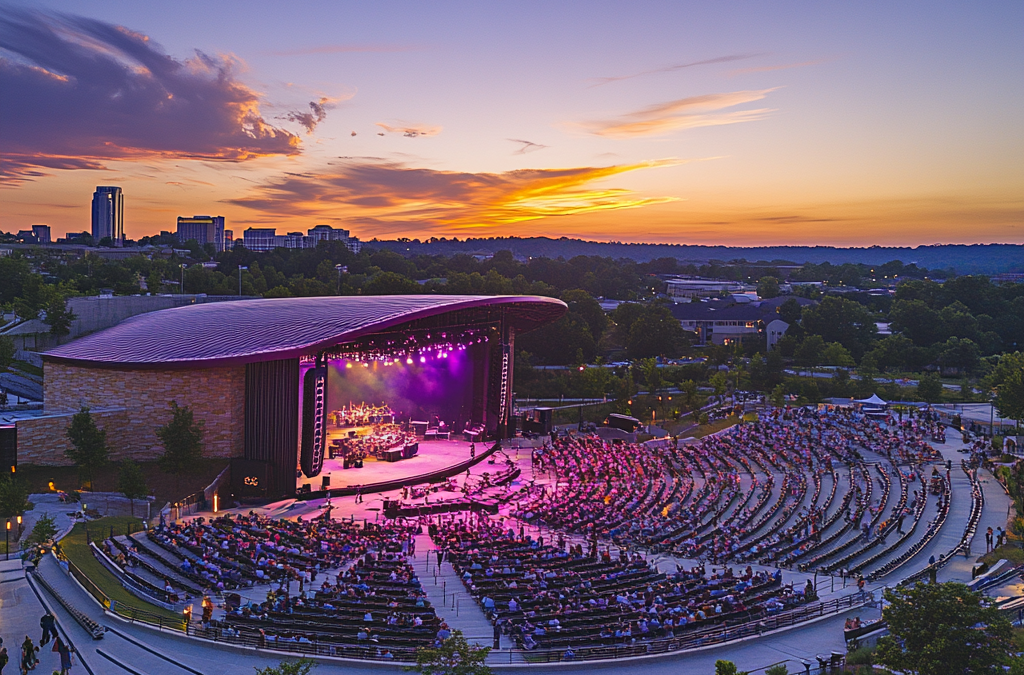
[42, 234]
[204, 229]
[260, 239]
[108, 214]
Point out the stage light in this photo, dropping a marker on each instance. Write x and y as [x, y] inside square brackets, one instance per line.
[423, 359]
[409, 360]
[348, 364]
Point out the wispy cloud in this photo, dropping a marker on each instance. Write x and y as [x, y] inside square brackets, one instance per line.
[317, 114]
[390, 192]
[683, 113]
[768, 69]
[526, 147]
[600, 81]
[410, 130]
[78, 91]
[342, 49]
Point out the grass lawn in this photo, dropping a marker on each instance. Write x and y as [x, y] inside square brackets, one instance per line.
[716, 426]
[1011, 552]
[77, 550]
[160, 484]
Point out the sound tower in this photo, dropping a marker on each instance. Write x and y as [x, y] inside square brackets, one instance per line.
[314, 419]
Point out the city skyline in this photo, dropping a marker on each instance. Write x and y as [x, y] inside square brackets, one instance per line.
[679, 123]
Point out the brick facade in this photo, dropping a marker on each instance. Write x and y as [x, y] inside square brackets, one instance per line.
[131, 405]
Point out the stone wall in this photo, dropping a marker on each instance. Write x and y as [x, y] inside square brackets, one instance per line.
[131, 405]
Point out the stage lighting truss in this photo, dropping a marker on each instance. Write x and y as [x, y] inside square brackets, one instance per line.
[407, 347]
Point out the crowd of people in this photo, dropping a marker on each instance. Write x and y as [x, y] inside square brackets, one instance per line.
[557, 597]
[799, 484]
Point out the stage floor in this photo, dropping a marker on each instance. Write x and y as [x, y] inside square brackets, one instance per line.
[433, 456]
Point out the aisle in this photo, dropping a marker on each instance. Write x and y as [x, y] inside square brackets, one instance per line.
[449, 596]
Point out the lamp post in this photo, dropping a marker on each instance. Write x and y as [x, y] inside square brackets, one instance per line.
[240, 268]
[341, 270]
[182, 287]
[7, 539]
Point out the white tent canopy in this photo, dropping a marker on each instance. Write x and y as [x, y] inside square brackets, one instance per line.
[874, 400]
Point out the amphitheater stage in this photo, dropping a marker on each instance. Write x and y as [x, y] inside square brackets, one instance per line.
[435, 460]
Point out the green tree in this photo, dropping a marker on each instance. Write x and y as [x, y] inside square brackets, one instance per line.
[723, 667]
[929, 388]
[778, 396]
[810, 351]
[88, 449]
[841, 320]
[767, 287]
[131, 482]
[13, 496]
[300, 667]
[182, 437]
[689, 394]
[656, 333]
[584, 304]
[1009, 399]
[652, 375]
[718, 382]
[455, 656]
[777, 669]
[835, 354]
[58, 316]
[43, 531]
[939, 629]
[962, 355]
[790, 311]
[6, 352]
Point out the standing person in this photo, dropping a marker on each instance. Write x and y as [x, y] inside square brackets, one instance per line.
[49, 625]
[988, 540]
[28, 656]
[64, 650]
[3, 659]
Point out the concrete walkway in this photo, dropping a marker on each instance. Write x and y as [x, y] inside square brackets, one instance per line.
[448, 594]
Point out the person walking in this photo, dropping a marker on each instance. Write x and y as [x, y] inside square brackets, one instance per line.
[64, 650]
[28, 656]
[49, 625]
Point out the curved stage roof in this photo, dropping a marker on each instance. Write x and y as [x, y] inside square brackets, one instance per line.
[246, 331]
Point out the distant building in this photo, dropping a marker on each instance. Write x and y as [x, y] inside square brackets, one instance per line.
[42, 234]
[108, 214]
[774, 332]
[229, 240]
[39, 234]
[262, 239]
[204, 229]
[690, 289]
[725, 322]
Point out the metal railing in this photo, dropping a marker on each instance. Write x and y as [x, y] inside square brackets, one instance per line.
[704, 638]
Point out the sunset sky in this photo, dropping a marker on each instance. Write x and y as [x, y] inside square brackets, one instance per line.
[687, 122]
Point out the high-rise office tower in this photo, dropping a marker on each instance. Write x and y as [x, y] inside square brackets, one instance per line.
[204, 229]
[108, 214]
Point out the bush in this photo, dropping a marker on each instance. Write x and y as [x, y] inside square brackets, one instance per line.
[779, 669]
[865, 656]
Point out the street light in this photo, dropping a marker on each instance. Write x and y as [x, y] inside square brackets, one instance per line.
[7, 539]
[182, 266]
[240, 268]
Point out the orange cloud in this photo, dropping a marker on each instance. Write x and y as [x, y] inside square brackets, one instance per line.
[410, 130]
[394, 196]
[684, 113]
[79, 91]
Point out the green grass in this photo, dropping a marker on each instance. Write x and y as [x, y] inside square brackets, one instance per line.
[716, 426]
[1011, 552]
[26, 367]
[77, 550]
